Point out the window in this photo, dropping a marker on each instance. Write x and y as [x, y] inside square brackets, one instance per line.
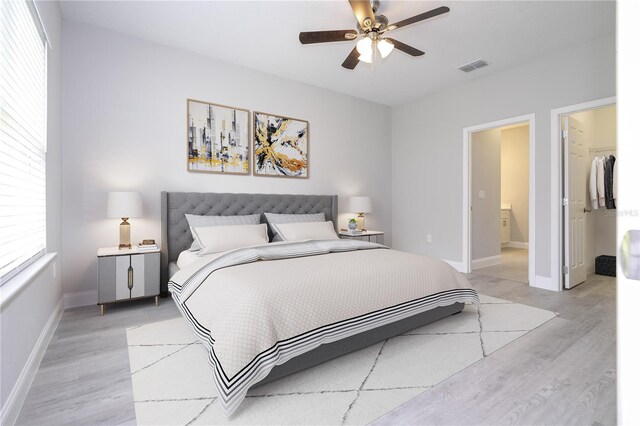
[23, 94]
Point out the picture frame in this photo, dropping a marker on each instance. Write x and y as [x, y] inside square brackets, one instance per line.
[218, 138]
[280, 146]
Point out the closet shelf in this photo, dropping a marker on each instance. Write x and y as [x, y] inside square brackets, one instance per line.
[602, 149]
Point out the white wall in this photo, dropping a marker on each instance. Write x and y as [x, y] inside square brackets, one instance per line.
[427, 142]
[124, 129]
[485, 176]
[514, 179]
[30, 314]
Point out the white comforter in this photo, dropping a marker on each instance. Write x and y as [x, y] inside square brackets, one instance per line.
[258, 307]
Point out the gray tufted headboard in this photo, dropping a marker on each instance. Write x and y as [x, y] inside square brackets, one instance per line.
[176, 236]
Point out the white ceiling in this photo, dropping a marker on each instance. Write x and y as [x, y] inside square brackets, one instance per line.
[264, 35]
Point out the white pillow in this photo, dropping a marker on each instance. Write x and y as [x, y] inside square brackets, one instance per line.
[195, 220]
[306, 231]
[276, 218]
[214, 239]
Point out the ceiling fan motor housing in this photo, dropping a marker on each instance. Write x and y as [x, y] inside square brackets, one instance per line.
[379, 25]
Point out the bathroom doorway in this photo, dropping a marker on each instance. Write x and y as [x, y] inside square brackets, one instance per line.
[500, 202]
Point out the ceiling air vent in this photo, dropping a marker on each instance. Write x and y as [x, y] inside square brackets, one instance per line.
[472, 66]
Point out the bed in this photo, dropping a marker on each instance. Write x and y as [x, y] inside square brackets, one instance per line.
[269, 311]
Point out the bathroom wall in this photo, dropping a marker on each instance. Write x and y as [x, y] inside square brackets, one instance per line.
[514, 179]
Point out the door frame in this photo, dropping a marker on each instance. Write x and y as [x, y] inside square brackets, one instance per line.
[466, 188]
[557, 182]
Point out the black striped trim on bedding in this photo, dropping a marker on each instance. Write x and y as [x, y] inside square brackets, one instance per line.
[231, 391]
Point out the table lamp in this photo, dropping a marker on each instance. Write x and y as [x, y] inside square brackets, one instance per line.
[360, 205]
[124, 205]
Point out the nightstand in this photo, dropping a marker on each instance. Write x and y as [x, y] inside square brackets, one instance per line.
[127, 274]
[372, 236]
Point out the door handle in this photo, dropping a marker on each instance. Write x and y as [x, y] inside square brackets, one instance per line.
[586, 210]
[130, 279]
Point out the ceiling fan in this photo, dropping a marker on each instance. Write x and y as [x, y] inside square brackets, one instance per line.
[371, 28]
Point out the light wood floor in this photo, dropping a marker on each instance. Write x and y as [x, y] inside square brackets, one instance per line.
[563, 372]
[514, 266]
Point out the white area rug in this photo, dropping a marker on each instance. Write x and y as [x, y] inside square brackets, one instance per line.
[172, 381]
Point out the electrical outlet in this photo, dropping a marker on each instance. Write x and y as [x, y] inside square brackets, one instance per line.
[481, 194]
[429, 238]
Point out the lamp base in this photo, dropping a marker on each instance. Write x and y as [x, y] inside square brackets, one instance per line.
[360, 221]
[125, 234]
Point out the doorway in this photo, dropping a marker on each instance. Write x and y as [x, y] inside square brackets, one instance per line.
[499, 199]
[589, 193]
[556, 253]
[500, 202]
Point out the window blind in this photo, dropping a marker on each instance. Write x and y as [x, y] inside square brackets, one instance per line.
[23, 89]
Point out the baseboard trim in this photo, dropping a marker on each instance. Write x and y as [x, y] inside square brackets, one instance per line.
[18, 394]
[458, 266]
[545, 283]
[516, 245]
[483, 262]
[80, 298]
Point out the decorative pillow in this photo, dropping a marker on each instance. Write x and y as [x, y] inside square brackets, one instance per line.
[214, 239]
[195, 220]
[306, 231]
[276, 218]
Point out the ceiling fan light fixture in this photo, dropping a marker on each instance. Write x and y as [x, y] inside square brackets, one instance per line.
[365, 58]
[364, 47]
[385, 47]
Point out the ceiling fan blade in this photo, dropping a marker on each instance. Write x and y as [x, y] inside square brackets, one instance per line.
[426, 15]
[310, 37]
[405, 47]
[352, 60]
[362, 9]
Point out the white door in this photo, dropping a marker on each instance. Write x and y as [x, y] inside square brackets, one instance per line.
[575, 184]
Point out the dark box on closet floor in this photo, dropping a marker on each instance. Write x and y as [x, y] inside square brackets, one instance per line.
[606, 265]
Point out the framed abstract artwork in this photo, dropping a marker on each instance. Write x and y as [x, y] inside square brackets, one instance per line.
[280, 146]
[217, 138]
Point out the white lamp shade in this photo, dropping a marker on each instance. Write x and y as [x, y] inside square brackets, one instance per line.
[364, 46]
[365, 58]
[124, 204]
[365, 49]
[360, 204]
[385, 47]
